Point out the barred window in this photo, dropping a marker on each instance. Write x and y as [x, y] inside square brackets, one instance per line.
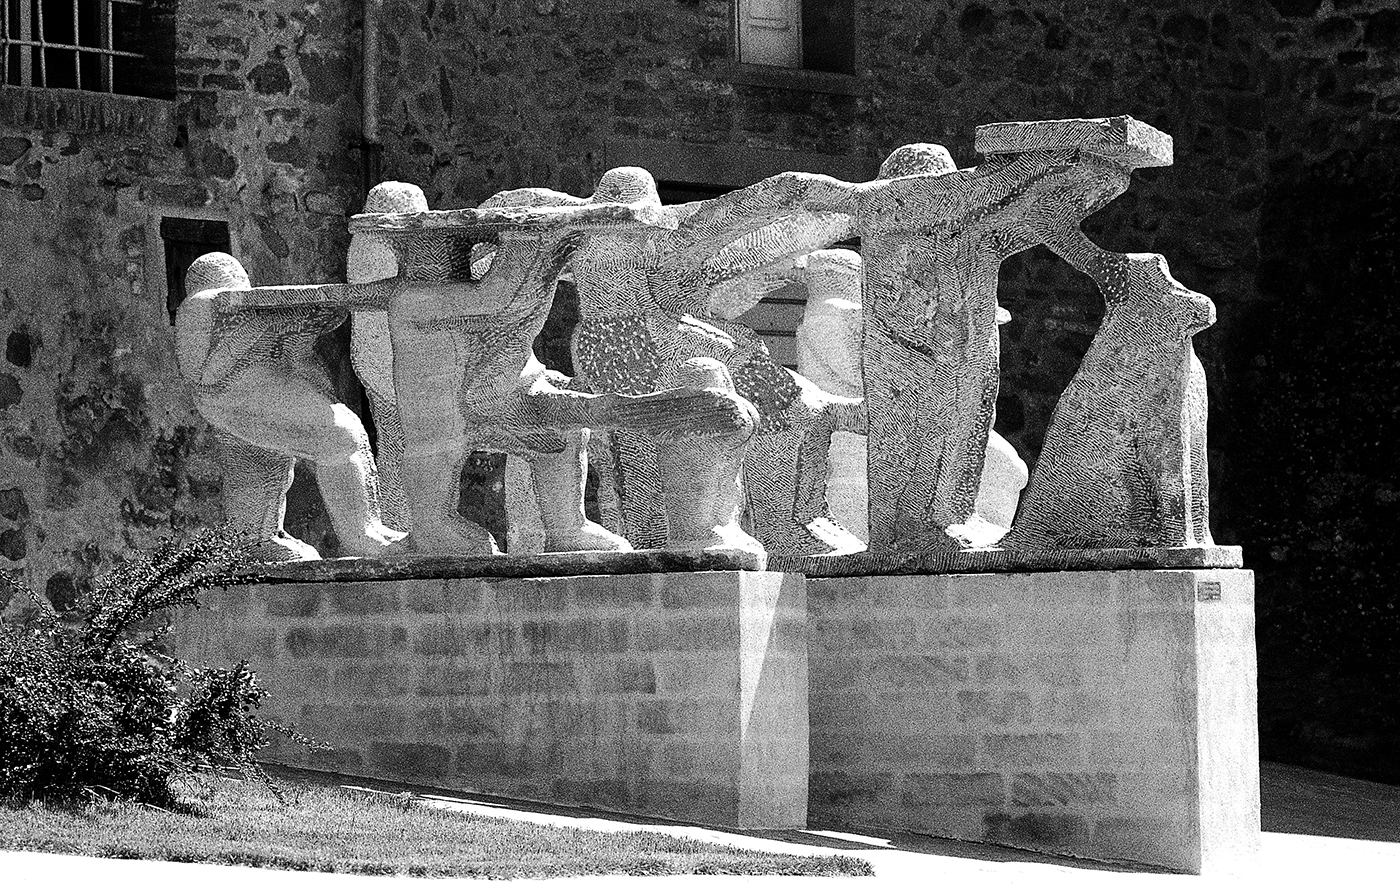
[95, 45]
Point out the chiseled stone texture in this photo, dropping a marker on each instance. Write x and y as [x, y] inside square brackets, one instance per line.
[674, 695]
[1109, 715]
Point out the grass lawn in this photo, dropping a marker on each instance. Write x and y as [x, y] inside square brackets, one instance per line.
[322, 828]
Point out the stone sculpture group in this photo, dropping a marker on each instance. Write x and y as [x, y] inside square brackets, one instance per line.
[701, 440]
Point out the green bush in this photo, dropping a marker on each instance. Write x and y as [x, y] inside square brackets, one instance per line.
[91, 705]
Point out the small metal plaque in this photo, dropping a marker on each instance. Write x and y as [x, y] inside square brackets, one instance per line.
[1207, 591]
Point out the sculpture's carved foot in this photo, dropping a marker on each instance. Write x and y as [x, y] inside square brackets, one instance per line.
[830, 538]
[377, 541]
[818, 537]
[283, 548]
[588, 537]
[976, 532]
[459, 538]
[730, 537]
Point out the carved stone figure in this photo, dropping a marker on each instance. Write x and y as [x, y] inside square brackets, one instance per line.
[828, 353]
[1004, 472]
[646, 297]
[370, 258]
[933, 238]
[257, 381]
[1124, 460]
[466, 379]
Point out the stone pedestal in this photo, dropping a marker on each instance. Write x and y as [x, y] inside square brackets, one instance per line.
[1101, 714]
[680, 695]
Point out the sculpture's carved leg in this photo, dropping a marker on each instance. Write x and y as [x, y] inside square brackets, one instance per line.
[432, 480]
[1199, 476]
[602, 461]
[1004, 476]
[524, 529]
[931, 377]
[704, 496]
[642, 512]
[370, 354]
[435, 448]
[256, 481]
[559, 479]
[785, 479]
[345, 474]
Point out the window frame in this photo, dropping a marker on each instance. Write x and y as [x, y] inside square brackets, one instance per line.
[779, 74]
[33, 44]
[739, 71]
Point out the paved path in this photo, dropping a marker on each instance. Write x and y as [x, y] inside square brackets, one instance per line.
[1318, 829]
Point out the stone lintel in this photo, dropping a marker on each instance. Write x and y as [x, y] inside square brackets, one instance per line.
[996, 560]
[509, 566]
[1122, 140]
[93, 113]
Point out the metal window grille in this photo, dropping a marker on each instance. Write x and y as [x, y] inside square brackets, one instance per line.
[71, 44]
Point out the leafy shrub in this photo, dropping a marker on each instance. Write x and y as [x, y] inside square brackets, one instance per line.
[89, 703]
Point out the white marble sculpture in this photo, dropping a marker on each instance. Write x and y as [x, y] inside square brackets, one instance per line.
[256, 380]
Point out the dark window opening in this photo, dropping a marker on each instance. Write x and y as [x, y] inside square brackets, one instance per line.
[828, 36]
[185, 241]
[116, 46]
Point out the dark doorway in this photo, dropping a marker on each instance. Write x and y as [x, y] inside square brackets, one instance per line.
[185, 241]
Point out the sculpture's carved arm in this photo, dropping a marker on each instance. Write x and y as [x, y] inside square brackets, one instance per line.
[1074, 246]
[731, 298]
[673, 412]
[352, 296]
[720, 221]
[228, 352]
[777, 244]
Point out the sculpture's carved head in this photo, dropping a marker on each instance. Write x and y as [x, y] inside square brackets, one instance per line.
[396, 197]
[195, 320]
[626, 184]
[216, 271]
[1150, 286]
[833, 274]
[370, 256]
[920, 158]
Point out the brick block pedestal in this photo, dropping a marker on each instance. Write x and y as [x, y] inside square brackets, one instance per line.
[681, 695]
[1101, 714]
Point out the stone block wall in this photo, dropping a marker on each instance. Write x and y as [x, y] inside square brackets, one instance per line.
[1109, 715]
[680, 695]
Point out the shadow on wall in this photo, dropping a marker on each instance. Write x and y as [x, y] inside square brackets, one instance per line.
[1315, 486]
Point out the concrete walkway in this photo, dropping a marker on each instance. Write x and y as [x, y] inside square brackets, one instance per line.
[1318, 829]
